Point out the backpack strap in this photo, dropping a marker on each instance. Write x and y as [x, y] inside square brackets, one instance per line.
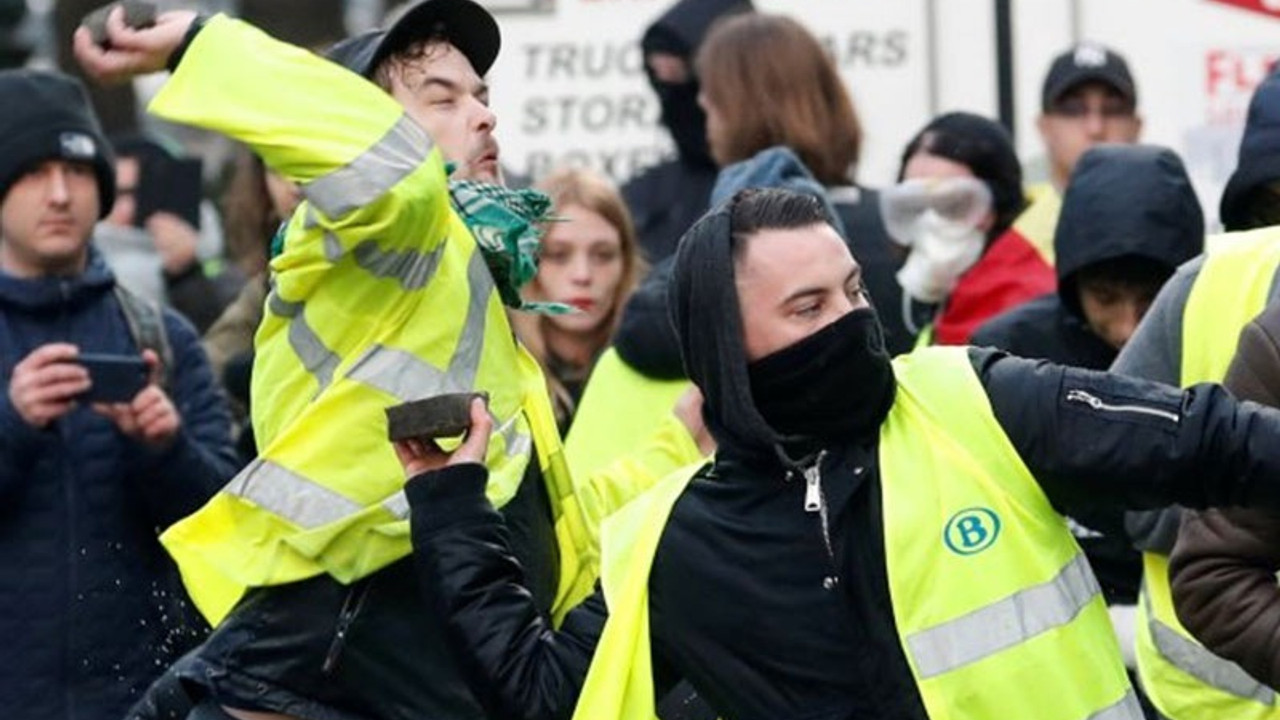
[146, 324]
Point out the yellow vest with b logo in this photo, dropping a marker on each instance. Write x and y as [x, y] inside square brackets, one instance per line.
[997, 610]
[1184, 680]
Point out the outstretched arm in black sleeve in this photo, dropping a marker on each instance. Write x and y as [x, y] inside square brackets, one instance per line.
[1093, 438]
[517, 665]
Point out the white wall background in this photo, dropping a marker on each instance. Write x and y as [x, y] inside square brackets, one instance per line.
[569, 87]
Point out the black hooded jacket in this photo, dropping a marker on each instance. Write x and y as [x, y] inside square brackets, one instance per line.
[667, 198]
[1259, 159]
[1122, 200]
[741, 602]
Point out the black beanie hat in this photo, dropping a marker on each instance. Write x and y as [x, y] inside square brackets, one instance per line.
[1259, 161]
[48, 117]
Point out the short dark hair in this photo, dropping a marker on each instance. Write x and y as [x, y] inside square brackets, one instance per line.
[756, 209]
[1258, 207]
[1136, 273]
[425, 48]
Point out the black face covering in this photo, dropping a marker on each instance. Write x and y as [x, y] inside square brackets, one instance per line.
[685, 120]
[835, 385]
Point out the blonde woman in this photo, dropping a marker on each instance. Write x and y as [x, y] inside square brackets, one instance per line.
[589, 261]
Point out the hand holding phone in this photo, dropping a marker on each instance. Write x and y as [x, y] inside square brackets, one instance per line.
[113, 378]
[44, 384]
[147, 415]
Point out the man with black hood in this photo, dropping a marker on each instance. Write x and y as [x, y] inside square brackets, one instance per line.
[1129, 218]
[1189, 335]
[873, 539]
[667, 198]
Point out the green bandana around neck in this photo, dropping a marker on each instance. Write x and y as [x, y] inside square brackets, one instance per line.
[506, 225]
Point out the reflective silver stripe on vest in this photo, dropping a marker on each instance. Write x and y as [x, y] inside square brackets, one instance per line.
[1126, 708]
[411, 268]
[1004, 623]
[1200, 663]
[289, 495]
[332, 247]
[318, 359]
[373, 173]
[401, 374]
[515, 442]
[397, 505]
[466, 358]
[408, 377]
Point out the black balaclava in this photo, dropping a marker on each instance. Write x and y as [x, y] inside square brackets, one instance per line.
[679, 32]
[708, 321]
[834, 385]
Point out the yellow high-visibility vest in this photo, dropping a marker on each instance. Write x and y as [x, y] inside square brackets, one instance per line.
[997, 610]
[380, 296]
[1037, 223]
[620, 407]
[1184, 680]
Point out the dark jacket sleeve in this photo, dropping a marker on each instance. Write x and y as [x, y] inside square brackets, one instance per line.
[1094, 439]
[1223, 567]
[202, 458]
[514, 661]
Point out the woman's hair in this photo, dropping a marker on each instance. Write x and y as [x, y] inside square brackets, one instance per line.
[249, 219]
[775, 84]
[983, 146]
[595, 192]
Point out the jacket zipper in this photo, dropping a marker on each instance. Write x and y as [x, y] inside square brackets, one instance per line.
[351, 607]
[815, 501]
[1093, 401]
[78, 672]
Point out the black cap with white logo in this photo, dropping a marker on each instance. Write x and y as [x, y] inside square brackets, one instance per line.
[48, 117]
[1087, 62]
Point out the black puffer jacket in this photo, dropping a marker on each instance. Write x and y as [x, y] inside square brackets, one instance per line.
[737, 600]
[91, 607]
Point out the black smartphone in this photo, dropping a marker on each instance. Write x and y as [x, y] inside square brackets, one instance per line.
[172, 185]
[113, 378]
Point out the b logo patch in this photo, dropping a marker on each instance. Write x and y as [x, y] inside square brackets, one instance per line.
[971, 531]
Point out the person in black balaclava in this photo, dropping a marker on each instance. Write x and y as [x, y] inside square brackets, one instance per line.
[667, 198]
[873, 538]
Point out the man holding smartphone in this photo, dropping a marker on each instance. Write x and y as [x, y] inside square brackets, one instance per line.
[97, 455]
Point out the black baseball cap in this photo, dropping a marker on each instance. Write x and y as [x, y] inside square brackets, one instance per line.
[1087, 62]
[464, 23]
